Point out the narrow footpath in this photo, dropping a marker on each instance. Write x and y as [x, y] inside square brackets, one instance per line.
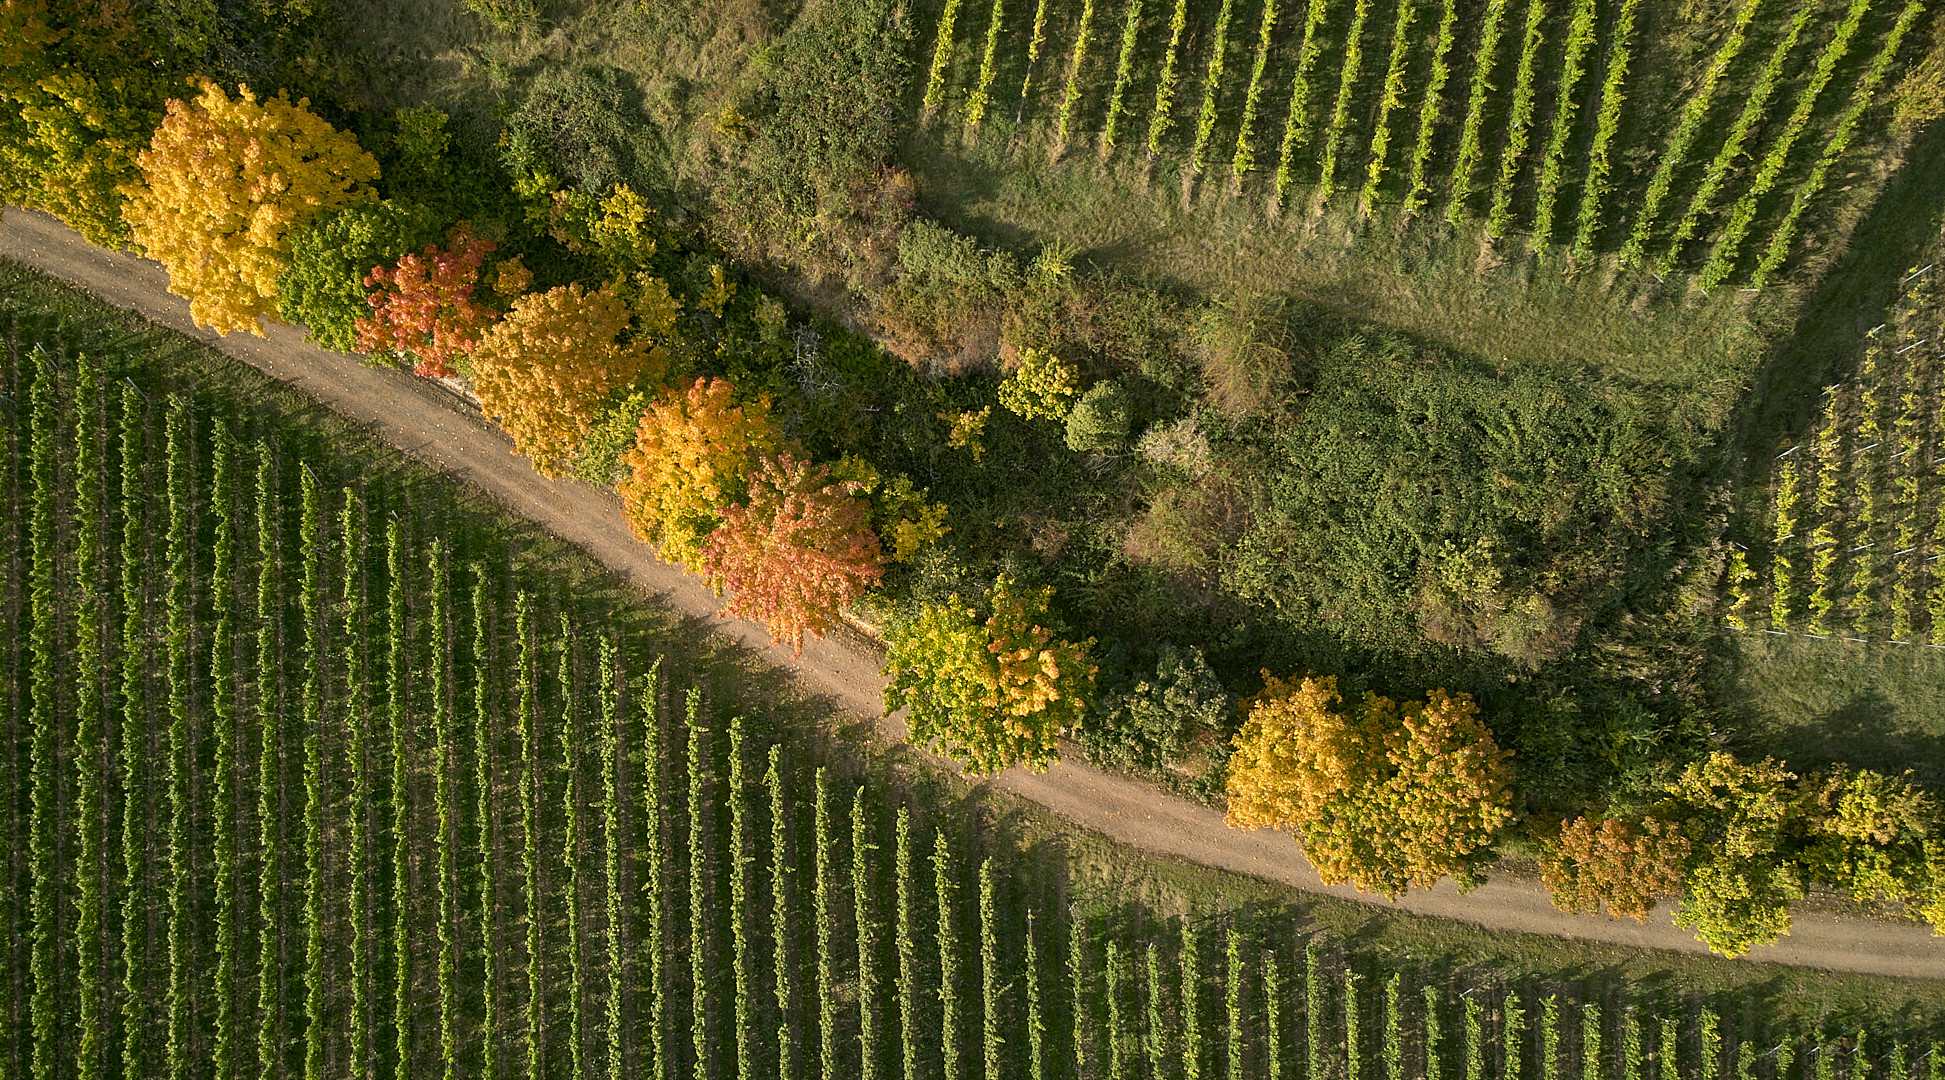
[436, 427]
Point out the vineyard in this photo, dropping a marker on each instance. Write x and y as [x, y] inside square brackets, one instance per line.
[1527, 120]
[1854, 530]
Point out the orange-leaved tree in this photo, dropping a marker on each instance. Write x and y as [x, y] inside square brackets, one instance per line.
[693, 453]
[80, 94]
[225, 186]
[1623, 862]
[1384, 796]
[424, 307]
[798, 553]
[992, 693]
[544, 370]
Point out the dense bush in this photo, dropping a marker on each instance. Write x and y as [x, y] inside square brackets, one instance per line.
[585, 126]
[1146, 726]
[1417, 493]
[1100, 419]
[802, 145]
[323, 288]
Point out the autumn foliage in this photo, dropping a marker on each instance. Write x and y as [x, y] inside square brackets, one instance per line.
[79, 98]
[225, 185]
[1384, 796]
[693, 453]
[1625, 863]
[798, 553]
[424, 307]
[991, 693]
[544, 371]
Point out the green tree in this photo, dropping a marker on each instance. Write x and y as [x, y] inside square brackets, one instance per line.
[323, 288]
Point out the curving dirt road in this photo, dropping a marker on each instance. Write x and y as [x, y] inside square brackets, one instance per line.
[439, 429]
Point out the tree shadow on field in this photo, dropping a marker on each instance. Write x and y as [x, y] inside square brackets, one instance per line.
[1861, 733]
[1853, 295]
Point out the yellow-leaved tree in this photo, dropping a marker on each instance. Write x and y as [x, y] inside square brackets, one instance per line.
[79, 98]
[693, 454]
[225, 186]
[544, 371]
[990, 693]
[1383, 795]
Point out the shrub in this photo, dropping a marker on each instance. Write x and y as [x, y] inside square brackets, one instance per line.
[225, 187]
[1383, 796]
[323, 288]
[544, 371]
[1042, 387]
[692, 455]
[1244, 352]
[1100, 419]
[1178, 444]
[798, 553]
[993, 693]
[1147, 725]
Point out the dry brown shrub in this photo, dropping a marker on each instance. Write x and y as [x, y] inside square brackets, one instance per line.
[1246, 352]
[1185, 526]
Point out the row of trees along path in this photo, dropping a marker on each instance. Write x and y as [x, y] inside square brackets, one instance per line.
[444, 432]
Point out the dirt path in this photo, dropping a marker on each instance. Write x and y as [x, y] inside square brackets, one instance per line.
[437, 428]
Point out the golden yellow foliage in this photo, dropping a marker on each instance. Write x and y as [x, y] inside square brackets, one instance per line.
[1383, 796]
[994, 695]
[79, 97]
[225, 186]
[544, 371]
[692, 456]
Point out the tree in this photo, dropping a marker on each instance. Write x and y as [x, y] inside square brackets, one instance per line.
[995, 693]
[545, 369]
[1625, 863]
[798, 553]
[1738, 884]
[226, 185]
[1383, 796]
[1868, 835]
[323, 288]
[79, 98]
[424, 307]
[693, 452]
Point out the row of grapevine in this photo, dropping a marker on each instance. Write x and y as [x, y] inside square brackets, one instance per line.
[1557, 63]
[432, 732]
[1520, 125]
[1742, 216]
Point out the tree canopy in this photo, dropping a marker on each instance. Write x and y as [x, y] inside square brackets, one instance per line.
[693, 453]
[226, 185]
[1384, 796]
[545, 369]
[990, 693]
[798, 553]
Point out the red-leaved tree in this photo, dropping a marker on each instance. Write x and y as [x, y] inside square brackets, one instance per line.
[424, 308]
[797, 553]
